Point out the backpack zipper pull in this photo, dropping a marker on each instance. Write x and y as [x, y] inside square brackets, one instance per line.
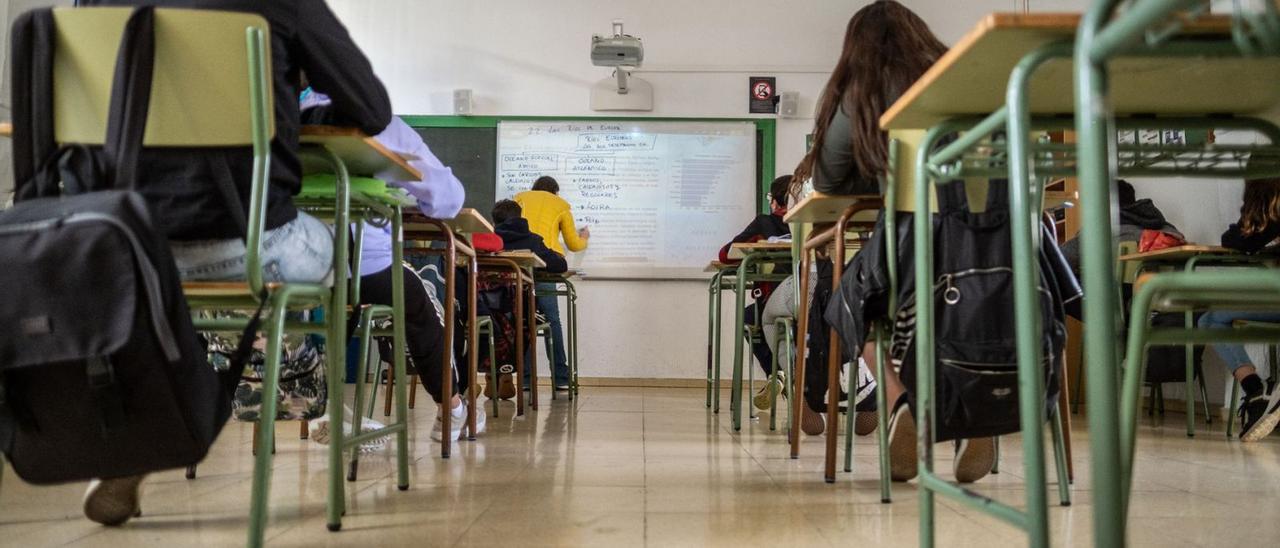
[951, 293]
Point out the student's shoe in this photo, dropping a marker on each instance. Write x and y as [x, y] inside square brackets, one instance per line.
[865, 422]
[481, 420]
[974, 459]
[318, 431]
[1259, 416]
[763, 399]
[113, 501]
[506, 387]
[902, 442]
[457, 423]
[811, 422]
[562, 387]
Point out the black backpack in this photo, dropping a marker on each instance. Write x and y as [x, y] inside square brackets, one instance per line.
[976, 350]
[101, 372]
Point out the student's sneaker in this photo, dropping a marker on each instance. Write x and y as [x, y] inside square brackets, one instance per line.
[561, 387]
[1259, 416]
[811, 422]
[458, 423]
[113, 501]
[763, 399]
[974, 459]
[902, 442]
[318, 431]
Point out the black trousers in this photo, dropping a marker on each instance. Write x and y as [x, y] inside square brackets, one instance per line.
[759, 348]
[424, 328]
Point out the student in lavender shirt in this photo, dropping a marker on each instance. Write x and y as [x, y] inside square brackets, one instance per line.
[439, 194]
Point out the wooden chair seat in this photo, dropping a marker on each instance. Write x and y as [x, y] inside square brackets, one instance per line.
[222, 289]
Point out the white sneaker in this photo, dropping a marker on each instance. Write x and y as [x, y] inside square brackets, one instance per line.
[457, 423]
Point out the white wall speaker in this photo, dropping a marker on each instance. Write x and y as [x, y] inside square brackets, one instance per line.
[789, 104]
[462, 102]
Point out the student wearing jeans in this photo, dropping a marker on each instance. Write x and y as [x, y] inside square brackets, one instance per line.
[439, 194]
[550, 217]
[1258, 227]
[181, 185]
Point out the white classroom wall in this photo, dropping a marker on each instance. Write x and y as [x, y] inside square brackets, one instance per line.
[531, 58]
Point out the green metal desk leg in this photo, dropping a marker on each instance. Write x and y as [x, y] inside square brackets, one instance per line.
[1024, 205]
[735, 388]
[398, 348]
[1188, 386]
[925, 329]
[717, 329]
[882, 412]
[1097, 246]
[1060, 458]
[336, 342]
[712, 288]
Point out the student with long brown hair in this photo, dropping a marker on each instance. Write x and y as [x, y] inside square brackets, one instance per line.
[1258, 227]
[887, 47]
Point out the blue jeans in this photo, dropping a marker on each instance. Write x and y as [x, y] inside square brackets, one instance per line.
[1233, 354]
[549, 305]
[298, 251]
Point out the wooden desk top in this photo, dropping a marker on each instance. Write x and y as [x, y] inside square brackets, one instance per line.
[6, 129]
[971, 78]
[739, 251]
[363, 154]
[716, 266]
[1177, 253]
[825, 208]
[522, 257]
[468, 221]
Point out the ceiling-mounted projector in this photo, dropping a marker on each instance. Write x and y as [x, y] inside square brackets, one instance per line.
[622, 92]
[619, 50]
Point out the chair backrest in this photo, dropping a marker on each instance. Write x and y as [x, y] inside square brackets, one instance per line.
[200, 91]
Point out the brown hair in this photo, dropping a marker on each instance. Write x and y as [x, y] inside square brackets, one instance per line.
[547, 183]
[1261, 205]
[887, 47]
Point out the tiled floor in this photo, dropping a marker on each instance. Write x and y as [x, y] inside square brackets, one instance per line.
[632, 467]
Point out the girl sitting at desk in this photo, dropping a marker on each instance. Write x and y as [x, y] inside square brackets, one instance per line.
[1258, 227]
[439, 194]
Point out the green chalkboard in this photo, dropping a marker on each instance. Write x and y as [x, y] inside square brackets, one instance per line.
[472, 154]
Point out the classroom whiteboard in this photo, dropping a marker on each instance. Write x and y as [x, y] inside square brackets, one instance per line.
[660, 197]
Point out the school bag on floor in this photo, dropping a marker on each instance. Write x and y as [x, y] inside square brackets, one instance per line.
[976, 351]
[101, 372]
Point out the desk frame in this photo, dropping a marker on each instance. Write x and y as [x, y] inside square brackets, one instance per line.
[570, 293]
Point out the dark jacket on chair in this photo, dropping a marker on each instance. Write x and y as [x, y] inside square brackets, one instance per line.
[180, 184]
[515, 235]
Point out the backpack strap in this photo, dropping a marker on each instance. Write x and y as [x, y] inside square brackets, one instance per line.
[998, 195]
[130, 98]
[952, 197]
[31, 72]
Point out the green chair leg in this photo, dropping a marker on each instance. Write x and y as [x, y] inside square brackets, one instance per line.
[366, 328]
[715, 362]
[259, 497]
[882, 413]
